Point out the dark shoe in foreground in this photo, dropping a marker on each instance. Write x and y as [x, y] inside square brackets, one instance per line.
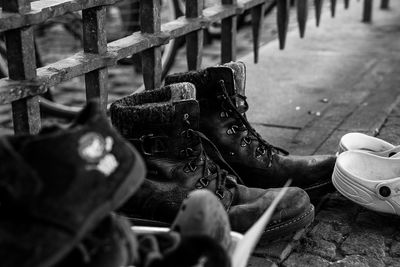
[58, 185]
[221, 94]
[165, 128]
[111, 244]
[169, 249]
[200, 236]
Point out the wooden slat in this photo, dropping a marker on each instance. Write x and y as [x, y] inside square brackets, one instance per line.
[95, 42]
[257, 18]
[45, 9]
[283, 21]
[367, 11]
[194, 40]
[346, 4]
[150, 22]
[22, 66]
[302, 15]
[384, 4]
[318, 10]
[228, 35]
[333, 8]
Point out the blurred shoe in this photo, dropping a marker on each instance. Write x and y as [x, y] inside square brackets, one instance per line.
[221, 94]
[370, 144]
[200, 233]
[202, 214]
[163, 123]
[170, 249]
[369, 180]
[58, 185]
[111, 244]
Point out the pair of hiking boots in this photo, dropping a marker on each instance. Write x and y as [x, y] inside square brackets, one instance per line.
[193, 134]
[58, 193]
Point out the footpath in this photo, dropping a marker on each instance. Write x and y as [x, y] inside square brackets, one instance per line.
[343, 77]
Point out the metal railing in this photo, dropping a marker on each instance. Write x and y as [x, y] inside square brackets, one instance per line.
[26, 82]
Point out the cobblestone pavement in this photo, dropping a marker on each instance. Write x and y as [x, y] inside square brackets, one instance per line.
[345, 234]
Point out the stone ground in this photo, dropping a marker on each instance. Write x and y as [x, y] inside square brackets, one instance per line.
[343, 77]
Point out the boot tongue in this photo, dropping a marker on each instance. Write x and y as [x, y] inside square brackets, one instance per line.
[239, 76]
[182, 91]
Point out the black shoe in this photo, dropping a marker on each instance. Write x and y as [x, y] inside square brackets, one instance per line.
[58, 185]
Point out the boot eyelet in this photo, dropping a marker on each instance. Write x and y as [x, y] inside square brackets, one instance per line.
[245, 141]
[186, 152]
[232, 130]
[260, 150]
[186, 133]
[223, 114]
[220, 193]
[190, 168]
[204, 182]
[199, 186]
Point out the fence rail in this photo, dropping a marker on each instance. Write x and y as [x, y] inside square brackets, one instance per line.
[25, 82]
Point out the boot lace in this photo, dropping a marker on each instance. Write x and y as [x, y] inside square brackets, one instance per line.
[252, 135]
[211, 170]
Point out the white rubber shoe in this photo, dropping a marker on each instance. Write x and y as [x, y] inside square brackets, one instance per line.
[370, 144]
[369, 180]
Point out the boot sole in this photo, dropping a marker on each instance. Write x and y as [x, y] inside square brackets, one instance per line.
[282, 230]
[123, 192]
[287, 228]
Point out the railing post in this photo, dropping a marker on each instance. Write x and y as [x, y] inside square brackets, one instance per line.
[22, 66]
[194, 40]
[302, 15]
[283, 21]
[384, 4]
[346, 4]
[257, 19]
[333, 8]
[95, 41]
[150, 22]
[367, 11]
[228, 35]
[318, 10]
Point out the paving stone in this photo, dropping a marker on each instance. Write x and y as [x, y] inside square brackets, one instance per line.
[358, 261]
[395, 249]
[304, 260]
[260, 262]
[364, 243]
[376, 222]
[390, 132]
[327, 231]
[338, 210]
[392, 262]
[319, 247]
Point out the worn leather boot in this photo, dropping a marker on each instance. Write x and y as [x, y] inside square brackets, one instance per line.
[221, 94]
[163, 124]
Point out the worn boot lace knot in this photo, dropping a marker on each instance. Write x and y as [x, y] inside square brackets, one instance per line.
[242, 125]
[211, 170]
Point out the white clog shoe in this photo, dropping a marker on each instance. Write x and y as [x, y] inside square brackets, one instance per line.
[369, 180]
[370, 144]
